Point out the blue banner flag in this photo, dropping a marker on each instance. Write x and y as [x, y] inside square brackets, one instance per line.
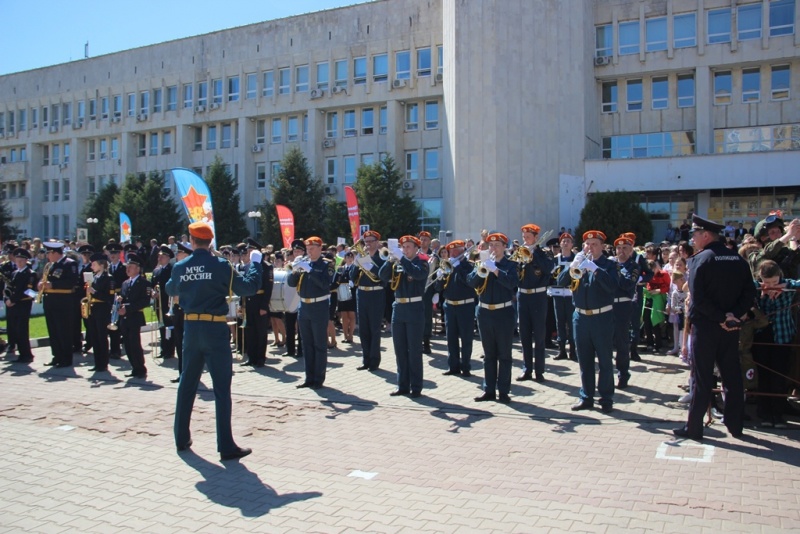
[196, 197]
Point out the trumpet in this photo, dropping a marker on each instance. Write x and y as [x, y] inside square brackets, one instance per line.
[522, 255]
[575, 270]
[114, 314]
[543, 238]
[445, 265]
[384, 254]
[482, 270]
[297, 261]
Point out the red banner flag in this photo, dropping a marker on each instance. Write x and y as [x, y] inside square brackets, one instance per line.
[352, 212]
[286, 220]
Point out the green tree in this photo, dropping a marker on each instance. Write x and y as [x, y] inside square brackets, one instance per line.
[153, 211]
[296, 188]
[7, 231]
[229, 222]
[382, 203]
[98, 206]
[613, 213]
[335, 223]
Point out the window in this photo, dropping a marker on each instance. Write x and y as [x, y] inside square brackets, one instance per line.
[211, 138]
[233, 89]
[367, 121]
[261, 175]
[90, 150]
[34, 118]
[13, 155]
[412, 165]
[383, 120]
[330, 170]
[157, 100]
[781, 77]
[166, 143]
[216, 91]
[284, 81]
[685, 30]
[440, 60]
[431, 115]
[359, 71]
[172, 98]
[131, 105]
[65, 220]
[656, 34]
[56, 194]
[402, 65]
[609, 97]
[44, 117]
[269, 84]
[22, 190]
[301, 79]
[54, 115]
[648, 145]
[66, 113]
[65, 196]
[277, 126]
[305, 127]
[660, 92]
[781, 17]
[154, 143]
[202, 94]
[55, 154]
[412, 117]
[103, 109]
[225, 142]
[634, 95]
[323, 75]
[751, 85]
[23, 154]
[114, 148]
[431, 163]
[91, 185]
[380, 68]
[604, 41]
[719, 26]
[367, 159]
[332, 124]
[686, 90]
[722, 88]
[198, 138]
[252, 86]
[45, 194]
[141, 151]
[292, 129]
[628, 38]
[748, 22]
[261, 131]
[760, 139]
[103, 149]
[430, 215]
[274, 171]
[423, 62]
[144, 103]
[349, 169]
[340, 68]
[349, 125]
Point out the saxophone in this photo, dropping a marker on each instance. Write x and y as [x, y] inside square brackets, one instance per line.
[45, 274]
[86, 302]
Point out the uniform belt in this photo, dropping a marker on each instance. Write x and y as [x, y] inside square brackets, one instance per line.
[458, 302]
[313, 300]
[532, 291]
[622, 299]
[260, 292]
[408, 300]
[496, 306]
[59, 291]
[596, 311]
[370, 288]
[206, 317]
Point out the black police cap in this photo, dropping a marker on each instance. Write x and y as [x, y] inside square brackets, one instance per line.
[698, 223]
[166, 251]
[252, 243]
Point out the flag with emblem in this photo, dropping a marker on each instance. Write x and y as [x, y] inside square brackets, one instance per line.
[195, 196]
[124, 227]
[286, 220]
[352, 212]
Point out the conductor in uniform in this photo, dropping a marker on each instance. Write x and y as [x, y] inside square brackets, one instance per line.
[722, 291]
[203, 282]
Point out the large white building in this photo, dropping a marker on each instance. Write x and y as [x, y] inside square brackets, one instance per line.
[499, 112]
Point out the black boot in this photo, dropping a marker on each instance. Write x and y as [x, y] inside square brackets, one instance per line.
[572, 354]
[426, 345]
[562, 352]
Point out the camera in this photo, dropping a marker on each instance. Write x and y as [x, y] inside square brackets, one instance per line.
[732, 323]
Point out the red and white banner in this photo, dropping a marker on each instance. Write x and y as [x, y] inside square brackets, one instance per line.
[352, 212]
[286, 220]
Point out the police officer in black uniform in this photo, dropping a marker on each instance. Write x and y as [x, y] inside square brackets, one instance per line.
[18, 298]
[159, 278]
[257, 314]
[722, 292]
[59, 302]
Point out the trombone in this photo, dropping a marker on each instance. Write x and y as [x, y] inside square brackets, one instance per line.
[447, 269]
[360, 248]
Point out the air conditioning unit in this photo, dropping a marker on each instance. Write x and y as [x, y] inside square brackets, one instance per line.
[77, 125]
[166, 150]
[141, 117]
[408, 185]
[339, 90]
[54, 129]
[328, 143]
[214, 106]
[258, 148]
[330, 189]
[602, 60]
[397, 84]
[115, 119]
[200, 109]
[317, 93]
[62, 166]
[438, 78]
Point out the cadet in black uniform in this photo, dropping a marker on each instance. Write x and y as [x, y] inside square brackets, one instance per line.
[101, 301]
[59, 302]
[8, 268]
[722, 292]
[159, 278]
[19, 299]
[257, 314]
[116, 269]
[85, 266]
[133, 300]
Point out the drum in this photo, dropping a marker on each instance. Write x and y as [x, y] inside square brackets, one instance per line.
[344, 293]
[284, 298]
[233, 309]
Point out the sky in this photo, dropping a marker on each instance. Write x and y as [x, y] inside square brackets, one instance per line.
[41, 33]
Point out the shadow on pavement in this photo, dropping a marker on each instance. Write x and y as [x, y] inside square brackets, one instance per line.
[233, 485]
[335, 398]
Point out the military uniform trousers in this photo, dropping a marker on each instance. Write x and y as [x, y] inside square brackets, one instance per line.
[60, 318]
[564, 309]
[167, 344]
[294, 347]
[97, 333]
[592, 338]
[313, 322]
[132, 340]
[255, 335]
[532, 310]
[77, 339]
[622, 337]
[711, 344]
[18, 323]
[371, 306]
[497, 333]
[408, 325]
[459, 323]
[206, 344]
[177, 334]
[635, 320]
[427, 301]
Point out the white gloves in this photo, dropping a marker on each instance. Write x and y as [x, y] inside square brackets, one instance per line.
[435, 298]
[490, 264]
[304, 266]
[439, 274]
[255, 256]
[579, 258]
[589, 265]
[397, 253]
[455, 263]
[350, 283]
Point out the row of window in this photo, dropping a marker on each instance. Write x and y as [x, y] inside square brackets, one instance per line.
[51, 228]
[296, 128]
[779, 79]
[649, 145]
[659, 93]
[55, 154]
[55, 190]
[14, 155]
[760, 139]
[13, 190]
[95, 184]
[222, 135]
[719, 28]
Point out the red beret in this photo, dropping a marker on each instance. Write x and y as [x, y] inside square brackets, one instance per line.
[371, 233]
[624, 239]
[313, 241]
[407, 238]
[497, 237]
[566, 235]
[424, 234]
[594, 234]
[201, 230]
[458, 243]
[631, 236]
[532, 228]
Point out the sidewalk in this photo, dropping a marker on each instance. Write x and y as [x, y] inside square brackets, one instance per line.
[85, 455]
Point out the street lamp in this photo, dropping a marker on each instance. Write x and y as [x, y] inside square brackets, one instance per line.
[89, 222]
[255, 215]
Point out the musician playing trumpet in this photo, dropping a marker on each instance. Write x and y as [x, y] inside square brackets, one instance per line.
[370, 301]
[101, 297]
[592, 277]
[495, 280]
[158, 280]
[534, 277]
[459, 309]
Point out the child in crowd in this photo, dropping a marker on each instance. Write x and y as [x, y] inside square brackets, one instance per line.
[675, 309]
[655, 299]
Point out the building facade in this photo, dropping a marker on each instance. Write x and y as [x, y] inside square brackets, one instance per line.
[498, 112]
